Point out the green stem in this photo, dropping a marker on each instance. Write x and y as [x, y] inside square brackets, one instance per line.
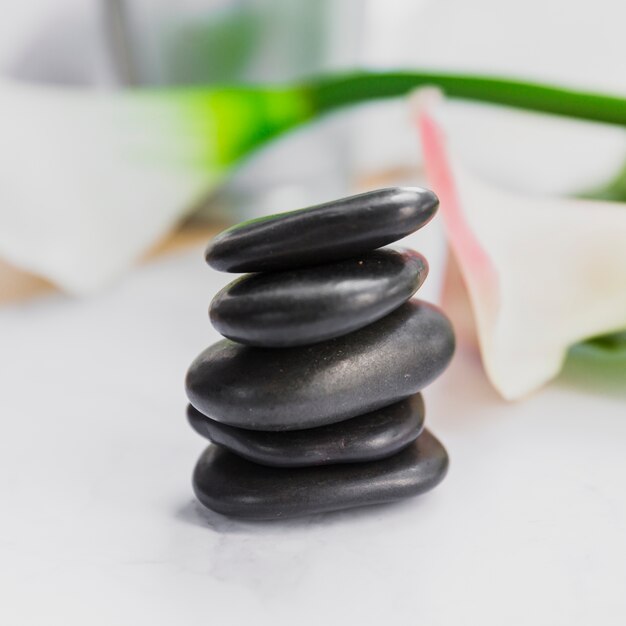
[329, 93]
[247, 117]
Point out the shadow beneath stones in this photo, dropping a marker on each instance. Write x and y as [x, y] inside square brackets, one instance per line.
[195, 514]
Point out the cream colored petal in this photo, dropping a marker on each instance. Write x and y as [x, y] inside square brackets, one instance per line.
[542, 273]
[90, 180]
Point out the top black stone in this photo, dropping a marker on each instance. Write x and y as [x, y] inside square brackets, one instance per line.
[327, 232]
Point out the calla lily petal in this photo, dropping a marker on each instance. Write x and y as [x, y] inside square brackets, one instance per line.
[542, 273]
[89, 180]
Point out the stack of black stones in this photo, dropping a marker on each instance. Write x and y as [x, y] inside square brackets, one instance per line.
[312, 402]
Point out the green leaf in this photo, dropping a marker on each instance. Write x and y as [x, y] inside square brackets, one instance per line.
[599, 363]
[613, 191]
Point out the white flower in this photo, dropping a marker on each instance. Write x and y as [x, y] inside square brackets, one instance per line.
[542, 273]
[90, 180]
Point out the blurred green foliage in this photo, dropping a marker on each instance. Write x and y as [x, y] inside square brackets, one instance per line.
[599, 363]
[225, 42]
[613, 191]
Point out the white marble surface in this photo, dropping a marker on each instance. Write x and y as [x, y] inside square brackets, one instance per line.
[99, 525]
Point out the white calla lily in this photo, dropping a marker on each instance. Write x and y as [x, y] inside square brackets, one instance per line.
[89, 180]
[542, 273]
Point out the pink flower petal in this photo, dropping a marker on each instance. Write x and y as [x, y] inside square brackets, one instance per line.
[541, 273]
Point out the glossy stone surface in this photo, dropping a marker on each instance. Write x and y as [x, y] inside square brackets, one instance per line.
[309, 386]
[304, 306]
[228, 484]
[368, 437]
[336, 230]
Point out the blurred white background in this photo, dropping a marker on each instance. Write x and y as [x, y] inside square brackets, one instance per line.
[99, 523]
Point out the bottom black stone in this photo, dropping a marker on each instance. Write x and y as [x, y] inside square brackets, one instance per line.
[228, 484]
[368, 437]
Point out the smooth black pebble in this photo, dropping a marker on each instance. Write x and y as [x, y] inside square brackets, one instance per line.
[301, 307]
[310, 386]
[368, 437]
[228, 484]
[327, 232]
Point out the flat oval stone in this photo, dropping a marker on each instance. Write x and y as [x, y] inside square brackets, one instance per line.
[327, 232]
[310, 386]
[368, 437]
[304, 306]
[228, 484]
